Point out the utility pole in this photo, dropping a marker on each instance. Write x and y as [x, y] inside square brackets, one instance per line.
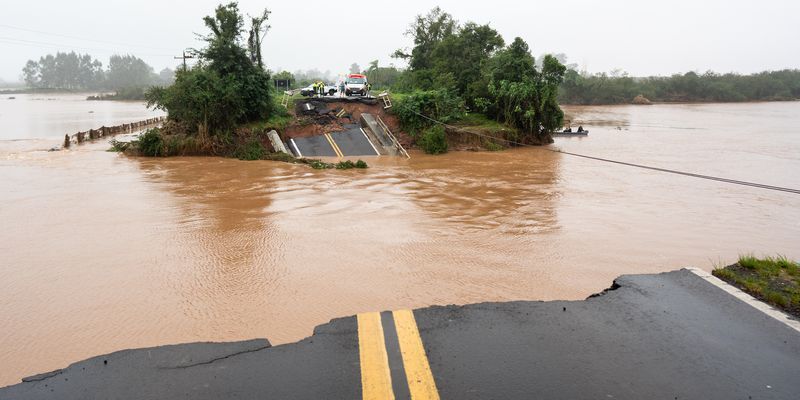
[184, 57]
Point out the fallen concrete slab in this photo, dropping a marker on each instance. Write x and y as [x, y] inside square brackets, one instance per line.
[277, 144]
[672, 335]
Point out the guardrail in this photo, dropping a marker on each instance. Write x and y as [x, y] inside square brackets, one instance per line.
[104, 131]
[391, 136]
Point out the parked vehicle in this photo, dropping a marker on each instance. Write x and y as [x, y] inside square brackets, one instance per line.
[355, 84]
[308, 91]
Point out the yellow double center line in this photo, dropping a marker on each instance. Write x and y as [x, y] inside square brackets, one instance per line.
[376, 380]
[335, 147]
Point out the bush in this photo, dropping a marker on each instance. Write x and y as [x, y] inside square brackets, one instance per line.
[151, 143]
[319, 164]
[361, 164]
[250, 150]
[492, 146]
[434, 140]
[117, 146]
[345, 165]
[440, 105]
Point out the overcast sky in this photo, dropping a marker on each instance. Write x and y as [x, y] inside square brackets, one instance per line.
[641, 37]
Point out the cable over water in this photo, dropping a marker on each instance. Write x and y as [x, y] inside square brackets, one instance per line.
[665, 170]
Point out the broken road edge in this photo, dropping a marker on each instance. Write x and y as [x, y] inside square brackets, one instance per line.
[188, 355]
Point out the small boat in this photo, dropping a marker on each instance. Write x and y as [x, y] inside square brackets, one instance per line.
[566, 133]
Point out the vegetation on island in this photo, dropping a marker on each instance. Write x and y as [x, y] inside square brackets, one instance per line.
[456, 69]
[775, 280]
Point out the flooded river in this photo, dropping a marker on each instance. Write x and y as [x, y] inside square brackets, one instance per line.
[100, 252]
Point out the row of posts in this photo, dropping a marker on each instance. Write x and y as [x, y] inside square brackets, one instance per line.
[104, 131]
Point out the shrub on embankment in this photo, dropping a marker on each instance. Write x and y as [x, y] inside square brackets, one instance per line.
[433, 140]
[246, 145]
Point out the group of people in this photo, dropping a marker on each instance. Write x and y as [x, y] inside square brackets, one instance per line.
[569, 130]
[320, 88]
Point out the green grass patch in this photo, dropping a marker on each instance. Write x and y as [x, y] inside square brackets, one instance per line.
[775, 280]
[480, 121]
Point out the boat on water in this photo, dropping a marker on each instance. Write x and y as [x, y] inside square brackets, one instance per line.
[567, 130]
[571, 133]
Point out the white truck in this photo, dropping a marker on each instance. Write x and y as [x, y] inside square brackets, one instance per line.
[356, 84]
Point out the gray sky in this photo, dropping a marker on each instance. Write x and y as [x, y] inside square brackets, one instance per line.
[641, 37]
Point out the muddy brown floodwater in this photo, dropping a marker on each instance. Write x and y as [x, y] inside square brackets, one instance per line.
[100, 252]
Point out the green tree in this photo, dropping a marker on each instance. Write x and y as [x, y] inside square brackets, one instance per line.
[127, 71]
[258, 29]
[464, 57]
[524, 97]
[225, 88]
[427, 32]
[64, 71]
[513, 62]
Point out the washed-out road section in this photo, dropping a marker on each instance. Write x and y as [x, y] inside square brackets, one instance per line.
[666, 336]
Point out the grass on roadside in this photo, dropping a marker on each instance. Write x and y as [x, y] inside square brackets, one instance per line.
[775, 280]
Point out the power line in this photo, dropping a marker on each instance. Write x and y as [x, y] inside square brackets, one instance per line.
[665, 170]
[81, 38]
[184, 57]
[24, 42]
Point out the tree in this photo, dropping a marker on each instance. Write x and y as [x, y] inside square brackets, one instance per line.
[355, 68]
[257, 30]
[32, 74]
[464, 57]
[166, 77]
[225, 88]
[427, 31]
[128, 72]
[513, 62]
[524, 97]
[64, 71]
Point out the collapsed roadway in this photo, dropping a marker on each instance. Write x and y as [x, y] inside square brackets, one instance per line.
[337, 132]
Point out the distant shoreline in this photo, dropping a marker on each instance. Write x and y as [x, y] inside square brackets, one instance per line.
[655, 103]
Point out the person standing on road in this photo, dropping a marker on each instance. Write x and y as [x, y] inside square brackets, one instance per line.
[341, 89]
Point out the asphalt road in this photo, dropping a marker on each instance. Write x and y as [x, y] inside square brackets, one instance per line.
[667, 336]
[314, 146]
[354, 142]
[349, 143]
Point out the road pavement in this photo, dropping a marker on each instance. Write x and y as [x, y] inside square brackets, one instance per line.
[352, 142]
[666, 336]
